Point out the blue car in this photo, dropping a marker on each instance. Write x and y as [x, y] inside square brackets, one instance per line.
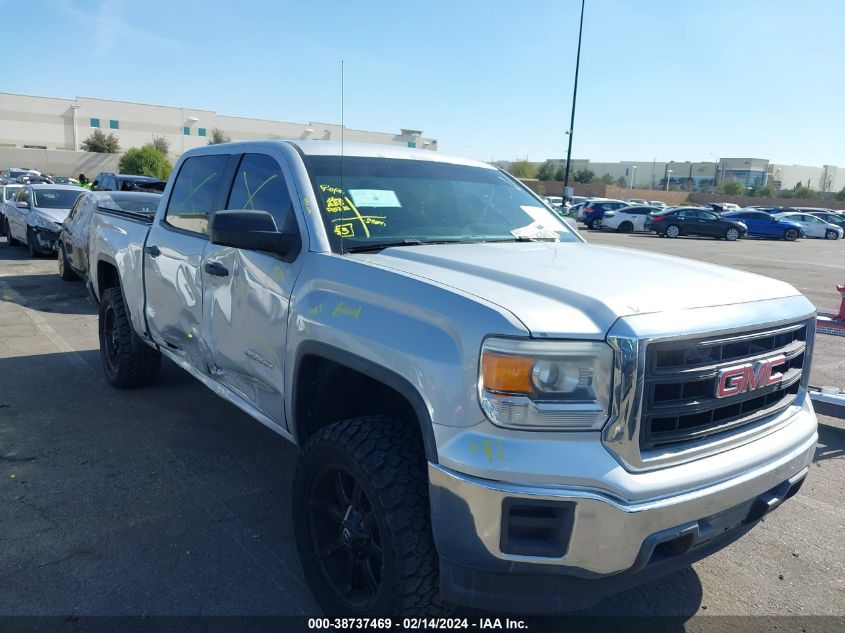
[762, 224]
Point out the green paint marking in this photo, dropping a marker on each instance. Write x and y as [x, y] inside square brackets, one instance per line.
[473, 447]
[501, 452]
[487, 450]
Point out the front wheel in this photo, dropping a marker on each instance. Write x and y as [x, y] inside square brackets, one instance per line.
[732, 234]
[625, 227]
[30, 243]
[831, 235]
[790, 235]
[362, 520]
[11, 241]
[127, 361]
[673, 231]
[65, 271]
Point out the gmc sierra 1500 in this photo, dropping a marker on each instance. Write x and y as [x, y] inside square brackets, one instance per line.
[491, 412]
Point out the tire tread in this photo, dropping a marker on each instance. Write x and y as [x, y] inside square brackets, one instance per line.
[139, 364]
[391, 454]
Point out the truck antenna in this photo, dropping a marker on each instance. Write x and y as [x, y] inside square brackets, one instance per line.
[342, 128]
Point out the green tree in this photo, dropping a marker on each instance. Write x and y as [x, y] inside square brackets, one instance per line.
[840, 195]
[145, 161]
[584, 176]
[606, 179]
[522, 169]
[560, 172]
[101, 143]
[731, 188]
[762, 191]
[801, 191]
[218, 137]
[621, 182]
[547, 171]
[161, 144]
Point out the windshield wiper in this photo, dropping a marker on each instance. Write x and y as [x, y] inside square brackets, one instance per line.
[377, 246]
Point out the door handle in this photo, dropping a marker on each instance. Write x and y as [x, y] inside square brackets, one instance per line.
[217, 269]
[152, 251]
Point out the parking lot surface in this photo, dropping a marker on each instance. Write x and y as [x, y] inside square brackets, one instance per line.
[168, 500]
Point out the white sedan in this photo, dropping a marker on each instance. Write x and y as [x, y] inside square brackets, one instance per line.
[813, 226]
[627, 219]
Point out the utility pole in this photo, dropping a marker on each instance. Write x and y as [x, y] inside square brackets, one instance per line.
[574, 98]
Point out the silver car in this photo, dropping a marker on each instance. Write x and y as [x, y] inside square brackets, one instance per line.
[7, 198]
[37, 215]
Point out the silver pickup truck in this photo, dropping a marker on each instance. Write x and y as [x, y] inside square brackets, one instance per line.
[490, 411]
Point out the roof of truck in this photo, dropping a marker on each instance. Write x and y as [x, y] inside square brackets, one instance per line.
[333, 148]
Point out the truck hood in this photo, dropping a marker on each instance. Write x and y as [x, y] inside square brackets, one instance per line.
[56, 215]
[577, 289]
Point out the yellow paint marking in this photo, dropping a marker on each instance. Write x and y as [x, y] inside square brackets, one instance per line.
[358, 215]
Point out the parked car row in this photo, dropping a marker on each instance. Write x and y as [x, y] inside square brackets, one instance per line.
[773, 223]
[50, 218]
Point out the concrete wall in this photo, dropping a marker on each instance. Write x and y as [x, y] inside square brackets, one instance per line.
[744, 201]
[600, 190]
[58, 162]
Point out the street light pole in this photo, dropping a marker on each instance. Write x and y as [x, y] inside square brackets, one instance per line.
[574, 97]
[668, 177]
[633, 175]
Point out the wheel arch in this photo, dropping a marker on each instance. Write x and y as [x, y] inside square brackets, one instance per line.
[366, 388]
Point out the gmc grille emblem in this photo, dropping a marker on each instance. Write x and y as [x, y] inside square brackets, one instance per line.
[748, 377]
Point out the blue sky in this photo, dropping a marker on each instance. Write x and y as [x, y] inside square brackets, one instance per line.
[671, 79]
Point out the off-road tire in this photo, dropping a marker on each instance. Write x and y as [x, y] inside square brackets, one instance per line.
[133, 363]
[386, 458]
[65, 271]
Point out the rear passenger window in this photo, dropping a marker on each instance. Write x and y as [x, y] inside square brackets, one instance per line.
[193, 193]
[260, 186]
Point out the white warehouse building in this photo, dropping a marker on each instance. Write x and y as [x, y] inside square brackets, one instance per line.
[53, 125]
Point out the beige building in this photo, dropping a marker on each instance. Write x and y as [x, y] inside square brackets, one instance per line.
[48, 124]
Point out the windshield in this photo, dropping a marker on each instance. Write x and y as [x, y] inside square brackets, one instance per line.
[55, 198]
[383, 200]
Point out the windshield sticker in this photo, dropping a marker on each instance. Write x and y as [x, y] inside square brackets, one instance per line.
[536, 231]
[375, 198]
[542, 216]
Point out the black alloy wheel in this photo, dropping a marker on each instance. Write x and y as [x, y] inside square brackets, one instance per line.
[345, 534]
[111, 338]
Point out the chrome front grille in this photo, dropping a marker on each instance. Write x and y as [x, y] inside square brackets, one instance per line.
[680, 402]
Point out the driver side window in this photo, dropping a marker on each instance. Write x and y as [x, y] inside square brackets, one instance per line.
[260, 186]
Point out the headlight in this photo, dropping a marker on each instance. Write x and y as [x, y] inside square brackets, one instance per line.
[563, 385]
[43, 223]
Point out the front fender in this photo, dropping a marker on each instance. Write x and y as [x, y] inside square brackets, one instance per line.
[427, 335]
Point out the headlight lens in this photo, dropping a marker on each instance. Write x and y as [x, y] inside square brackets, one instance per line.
[562, 385]
[43, 223]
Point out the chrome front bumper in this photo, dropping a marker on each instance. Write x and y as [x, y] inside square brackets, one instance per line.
[608, 531]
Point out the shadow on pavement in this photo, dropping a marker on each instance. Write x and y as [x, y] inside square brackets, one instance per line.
[831, 443]
[47, 293]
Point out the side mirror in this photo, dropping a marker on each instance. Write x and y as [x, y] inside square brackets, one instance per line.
[254, 231]
[22, 205]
